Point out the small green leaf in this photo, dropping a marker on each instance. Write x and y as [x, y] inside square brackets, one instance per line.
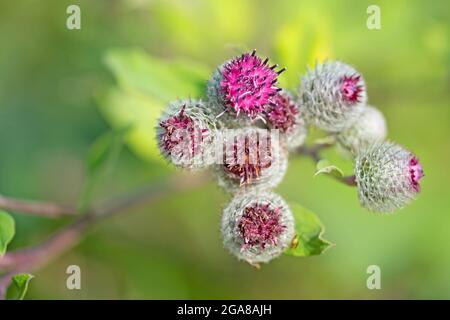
[324, 167]
[21, 282]
[7, 231]
[309, 230]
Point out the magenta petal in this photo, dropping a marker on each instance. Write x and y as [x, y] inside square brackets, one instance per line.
[260, 226]
[248, 84]
[416, 172]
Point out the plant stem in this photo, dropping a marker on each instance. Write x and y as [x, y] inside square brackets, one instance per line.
[46, 209]
[33, 258]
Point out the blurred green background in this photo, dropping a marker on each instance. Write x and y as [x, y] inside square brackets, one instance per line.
[61, 89]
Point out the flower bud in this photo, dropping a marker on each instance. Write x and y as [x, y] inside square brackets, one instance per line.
[332, 94]
[387, 176]
[252, 160]
[241, 88]
[284, 114]
[185, 134]
[369, 128]
[257, 227]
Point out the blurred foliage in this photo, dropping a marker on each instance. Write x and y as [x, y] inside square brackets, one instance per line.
[145, 85]
[102, 157]
[61, 89]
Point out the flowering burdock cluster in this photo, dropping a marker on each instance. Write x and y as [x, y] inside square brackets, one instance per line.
[246, 128]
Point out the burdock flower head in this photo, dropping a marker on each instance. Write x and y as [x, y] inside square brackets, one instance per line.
[285, 115]
[243, 86]
[257, 227]
[252, 159]
[333, 94]
[387, 176]
[185, 134]
[369, 128]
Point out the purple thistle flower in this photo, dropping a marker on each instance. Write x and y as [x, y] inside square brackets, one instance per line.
[244, 85]
[286, 115]
[185, 134]
[332, 95]
[252, 159]
[260, 225]
[257, 226]
[387, 176]
[248, 84]
[351, 88]
[282, 113]
[248, 170]
[175, 129]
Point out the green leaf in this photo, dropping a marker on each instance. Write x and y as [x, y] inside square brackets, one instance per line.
[7, 231]
[309, 230]
[101, 158]
[145, 85]
[105, 149]
[163, 80]
[21, 282]
[324, 167]
[141, 113]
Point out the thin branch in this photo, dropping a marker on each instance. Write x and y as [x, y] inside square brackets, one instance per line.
[148, 193]
[33, 258]
[314, 151]
[347, 180]
[46, 209]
